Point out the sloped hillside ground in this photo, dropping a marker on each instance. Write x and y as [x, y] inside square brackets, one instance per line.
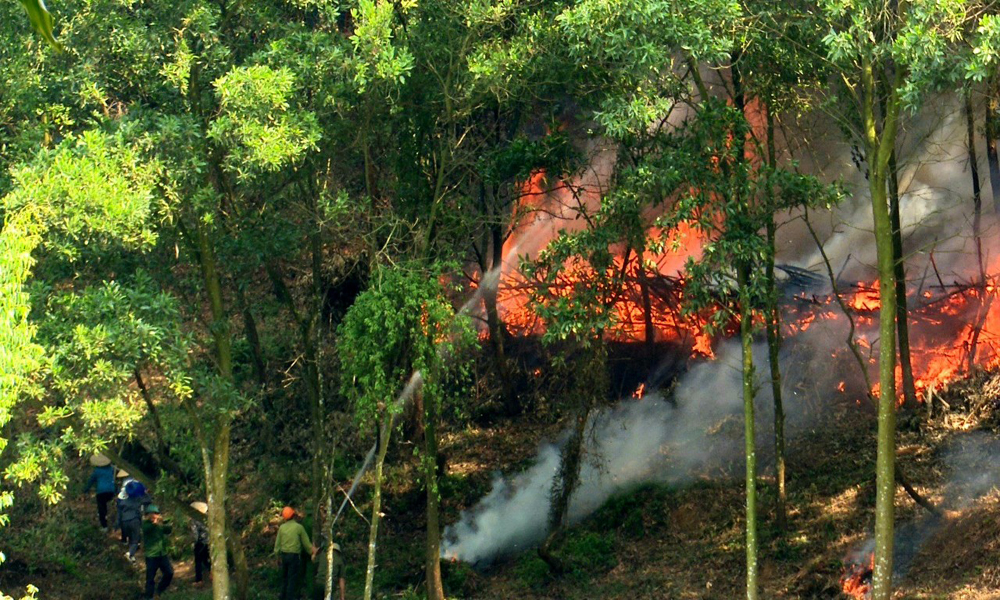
[652, 542]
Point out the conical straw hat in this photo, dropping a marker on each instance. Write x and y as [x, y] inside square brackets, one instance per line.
[200, 507]
[99, 460]
[122, 473]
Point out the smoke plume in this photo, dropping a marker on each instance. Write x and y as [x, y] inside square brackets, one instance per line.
[649, 439]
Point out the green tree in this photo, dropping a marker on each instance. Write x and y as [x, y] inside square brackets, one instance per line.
[889, 56]
[87, 192]
[399, 341]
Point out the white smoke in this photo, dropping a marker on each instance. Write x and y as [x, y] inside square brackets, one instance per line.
[636, 441]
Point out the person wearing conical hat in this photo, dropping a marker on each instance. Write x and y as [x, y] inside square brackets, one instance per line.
[202, 559]
[102, 479]
[125, 477]
[291, 541]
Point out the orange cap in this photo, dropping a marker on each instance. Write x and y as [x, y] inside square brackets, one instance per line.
[287, 513]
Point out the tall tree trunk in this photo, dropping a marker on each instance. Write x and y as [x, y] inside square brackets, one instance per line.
[991, 132]
[314, 393]
[385, 430]
[879, 148]
[977, 192]
[241, 572]
[492, 275]
[977, 218]
[217, 466]
[435, 589]
[746, 337]
[591, 386]
[329, 583]
[495, 268]
[773, 326]
[902, 312]
[563, 484]
[216, 458]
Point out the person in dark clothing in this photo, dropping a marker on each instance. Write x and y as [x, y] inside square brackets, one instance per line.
[337, 571]
[102, 479]
[122, 495]
[202, 559]
[155, 532]
[291, 542]
[131, 516]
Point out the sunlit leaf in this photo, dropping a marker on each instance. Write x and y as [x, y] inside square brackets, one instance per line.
[41, 20]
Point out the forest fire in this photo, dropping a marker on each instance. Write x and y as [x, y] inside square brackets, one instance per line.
[953, 328]
[856, 582]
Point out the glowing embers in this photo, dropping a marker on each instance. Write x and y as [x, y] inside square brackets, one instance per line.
[865, 298]
[856, 582]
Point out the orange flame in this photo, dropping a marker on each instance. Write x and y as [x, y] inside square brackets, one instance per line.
[857, 579]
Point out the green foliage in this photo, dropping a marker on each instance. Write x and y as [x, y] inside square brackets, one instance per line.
[730, 202]
[630, 52]
[531, 571]
[402, 325]
[91, 190]
[380, 59]
[255, 121]
[925, 42]
[589, 552]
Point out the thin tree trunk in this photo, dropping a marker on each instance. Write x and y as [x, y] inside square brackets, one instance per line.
[314, 393]
[383, 447]
[563, 485]
[746, 337]
[977, 193]
[492, 274]
[773, 326]
[977, 206]
[902, 311]
[991, 131]
[649, 328]
[435, 588]
[878, 149]
[329, 582]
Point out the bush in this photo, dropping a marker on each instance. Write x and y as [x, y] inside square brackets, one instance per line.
[589, 552]
[531, 571]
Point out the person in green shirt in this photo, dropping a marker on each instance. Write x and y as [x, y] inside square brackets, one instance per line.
[154, 536]
[291, 542]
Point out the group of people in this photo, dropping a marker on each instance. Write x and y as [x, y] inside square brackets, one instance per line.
[133, 502]
[141, 523]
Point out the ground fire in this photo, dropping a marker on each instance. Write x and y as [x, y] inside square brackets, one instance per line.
[857, 579]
